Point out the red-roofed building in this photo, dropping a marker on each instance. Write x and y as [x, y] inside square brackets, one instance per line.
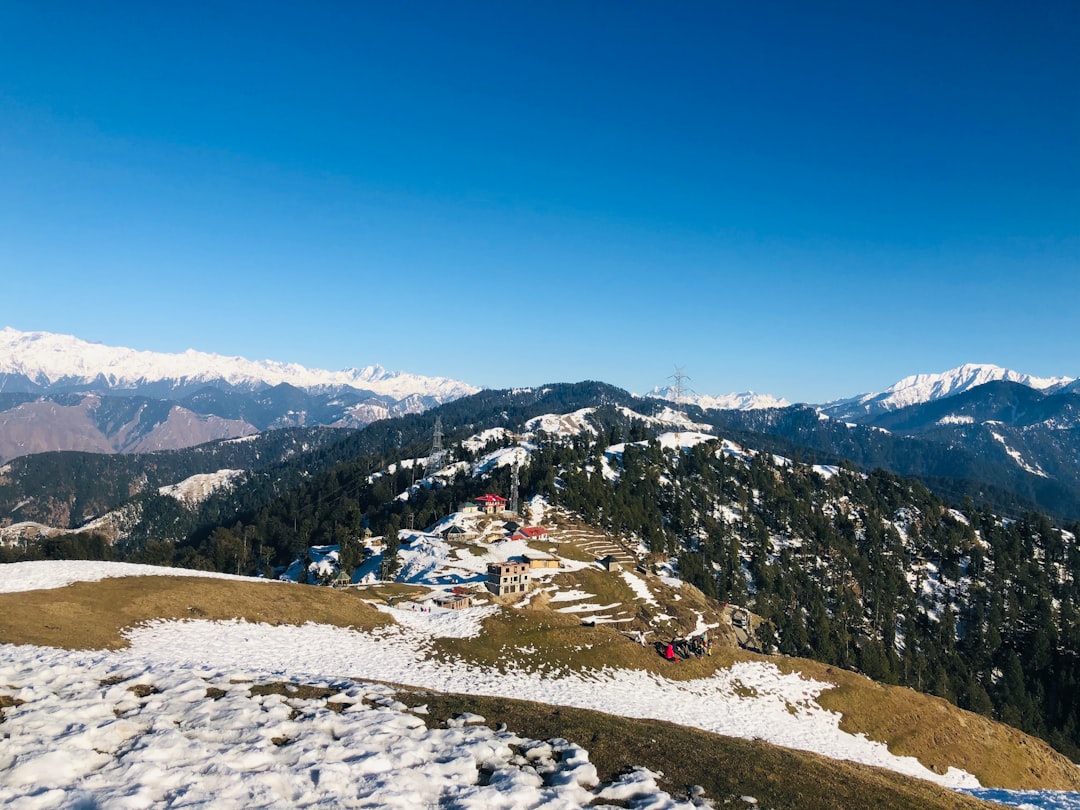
[535, 532]
[490, 504]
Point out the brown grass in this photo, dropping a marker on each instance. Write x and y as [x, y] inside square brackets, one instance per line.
[561, 642]
[936, 732]
[725, 767]
[8, 702]
[91, 615]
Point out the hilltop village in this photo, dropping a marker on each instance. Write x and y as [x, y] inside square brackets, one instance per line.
[485, 554]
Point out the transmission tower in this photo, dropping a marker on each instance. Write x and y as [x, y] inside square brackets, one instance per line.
[680, 388]
[514, 484]
[436, 442]
[438, 454]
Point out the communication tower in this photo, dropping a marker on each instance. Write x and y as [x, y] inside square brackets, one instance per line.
[437, 456]
[514, 484]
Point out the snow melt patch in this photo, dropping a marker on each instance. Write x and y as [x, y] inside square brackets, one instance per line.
[41, 574]
[666, 418]
[196, 489]
[1015, 456]
[83, 738]
[751, 700]
[669, 441]
[504, 457]
[638, 586]
[437, 622]
[479, 441]
[568, 424]
[956, 419]
[684, 439]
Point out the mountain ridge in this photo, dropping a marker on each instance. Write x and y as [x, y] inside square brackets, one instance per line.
[39, 362]
[921, 388]
[50, 361]
[886, 571]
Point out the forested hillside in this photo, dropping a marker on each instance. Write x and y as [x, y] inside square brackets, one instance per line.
[65, 489]
[984, 462]
[862, 570]
[870, 572]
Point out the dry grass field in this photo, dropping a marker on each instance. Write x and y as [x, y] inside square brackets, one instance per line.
[92, 615]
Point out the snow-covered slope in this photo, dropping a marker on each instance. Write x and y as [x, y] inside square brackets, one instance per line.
[752, 700]
[921, 388]
[197, 488]
[48, 359]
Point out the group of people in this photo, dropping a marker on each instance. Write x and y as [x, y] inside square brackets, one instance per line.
[698, 646]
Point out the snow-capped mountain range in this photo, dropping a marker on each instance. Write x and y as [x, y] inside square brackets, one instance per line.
[745, 401]
[48, 361]
[920, 388]
[58, 392]
[37, 362]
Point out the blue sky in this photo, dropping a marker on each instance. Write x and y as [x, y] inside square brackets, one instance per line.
[807, 203]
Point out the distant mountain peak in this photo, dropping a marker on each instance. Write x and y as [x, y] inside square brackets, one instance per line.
[745, 401]
[46, 359]
[968, 376]
[921, 388]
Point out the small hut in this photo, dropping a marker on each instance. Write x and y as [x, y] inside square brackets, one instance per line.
[453, 601]
[540, 560]
[611, 563]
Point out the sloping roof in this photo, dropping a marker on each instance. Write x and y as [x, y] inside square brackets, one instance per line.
[490, 499]
[538, 555]
[534, 531]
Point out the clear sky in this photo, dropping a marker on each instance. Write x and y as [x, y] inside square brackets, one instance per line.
[810, 203]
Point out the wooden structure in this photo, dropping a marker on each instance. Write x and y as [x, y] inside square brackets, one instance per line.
[453, 601]
[611, 563]
[342, 580]
[540, 560]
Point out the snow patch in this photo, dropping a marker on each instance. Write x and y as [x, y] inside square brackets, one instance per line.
[196, 489]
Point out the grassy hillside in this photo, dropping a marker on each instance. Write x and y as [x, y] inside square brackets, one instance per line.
[727, 768]
[92, 615]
